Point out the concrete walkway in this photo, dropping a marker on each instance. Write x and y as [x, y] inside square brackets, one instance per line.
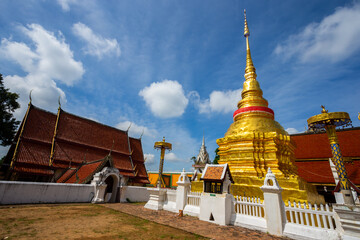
[190, 224]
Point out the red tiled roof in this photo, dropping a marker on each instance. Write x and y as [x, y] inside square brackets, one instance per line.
[84, 172]
[315, 146]
[90, 133]
[213, 173]
[67, 151]
[40, 125]
[33, 153]
[33, 170]
[66, 175]
[320, 171]
[77, 139]
[136, 148]
[138, 160]
[34, 147]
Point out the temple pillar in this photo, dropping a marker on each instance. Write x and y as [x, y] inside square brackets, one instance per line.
[182, 191]
[274, 205]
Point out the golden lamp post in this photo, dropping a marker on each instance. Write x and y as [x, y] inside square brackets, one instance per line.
[162, 146]
[329, 122]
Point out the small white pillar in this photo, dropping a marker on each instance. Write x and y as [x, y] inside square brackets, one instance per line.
[157, 198]
[182, 191]
[274, 205]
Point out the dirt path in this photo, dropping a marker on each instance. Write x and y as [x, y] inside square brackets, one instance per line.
[190, 224]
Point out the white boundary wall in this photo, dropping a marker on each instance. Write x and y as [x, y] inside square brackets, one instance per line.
[170, 200]
[12, 192]
[134, 194]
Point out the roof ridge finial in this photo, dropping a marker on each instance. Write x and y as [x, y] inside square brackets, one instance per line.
[59, 102]
[30, 97]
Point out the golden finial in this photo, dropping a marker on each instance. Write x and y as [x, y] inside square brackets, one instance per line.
[246, 29]
[252, 93]
[359, 116]
[323, 109]
[249, 63]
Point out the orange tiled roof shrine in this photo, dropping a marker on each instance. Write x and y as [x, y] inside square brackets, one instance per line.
[216, 172]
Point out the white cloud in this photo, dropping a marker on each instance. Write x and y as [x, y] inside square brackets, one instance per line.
[136, 130]
[149, 158]
[65, 4]
[96, 45]
[292, 130]
[51, 60]
[218, 101]
[166, 99]
[335, 38]
[171, 157]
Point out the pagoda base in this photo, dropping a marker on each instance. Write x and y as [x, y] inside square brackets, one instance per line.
[294, 189]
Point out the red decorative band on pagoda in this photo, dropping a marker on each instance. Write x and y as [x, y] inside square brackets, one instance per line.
[253, 109]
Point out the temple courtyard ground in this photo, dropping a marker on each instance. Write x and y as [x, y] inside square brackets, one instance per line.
[109, 221]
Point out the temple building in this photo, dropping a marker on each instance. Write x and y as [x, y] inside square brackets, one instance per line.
[313, 153]
[255, 142]
[201, 160]
[67, 148]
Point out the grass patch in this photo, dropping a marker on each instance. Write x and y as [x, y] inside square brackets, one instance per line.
[80, 221]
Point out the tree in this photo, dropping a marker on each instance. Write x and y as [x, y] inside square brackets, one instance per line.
[217, 157]
[8, 123]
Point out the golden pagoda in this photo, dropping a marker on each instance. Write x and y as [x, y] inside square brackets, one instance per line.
[255, 141]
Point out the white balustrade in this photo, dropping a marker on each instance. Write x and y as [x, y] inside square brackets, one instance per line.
[249, 206]
[308, 215]
[193, 198]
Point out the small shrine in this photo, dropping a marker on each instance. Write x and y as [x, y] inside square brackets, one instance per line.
[217, 178]
[201, 160]
[216, 200]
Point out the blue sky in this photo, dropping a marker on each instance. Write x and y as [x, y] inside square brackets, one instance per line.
[175, 68]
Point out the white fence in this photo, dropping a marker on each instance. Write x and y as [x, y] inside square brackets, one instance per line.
[249, 206]
[193, 201]
[308, 215]
[311, 221]
[193, 198]
[249, 212]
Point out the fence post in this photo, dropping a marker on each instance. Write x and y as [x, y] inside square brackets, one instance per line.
[182, 190]
[274, 205]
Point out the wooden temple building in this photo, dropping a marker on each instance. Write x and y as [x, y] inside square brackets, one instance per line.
[312, 154]
[67, 148]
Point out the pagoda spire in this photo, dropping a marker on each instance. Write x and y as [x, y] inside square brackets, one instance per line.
[252, 93]
[249, 63]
